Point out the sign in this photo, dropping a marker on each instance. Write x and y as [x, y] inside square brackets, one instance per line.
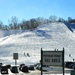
[15, 56]
[52, 58]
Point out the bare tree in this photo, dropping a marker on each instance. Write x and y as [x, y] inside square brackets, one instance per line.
[53, 18]
[13, 23]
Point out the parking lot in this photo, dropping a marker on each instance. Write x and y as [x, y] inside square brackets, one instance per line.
[38, 72]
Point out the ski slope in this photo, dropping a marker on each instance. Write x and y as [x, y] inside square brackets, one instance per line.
[48, 37]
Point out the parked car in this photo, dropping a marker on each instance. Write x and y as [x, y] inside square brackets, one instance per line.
[20, 67]
[31, 67]
[25, 69]
[14, 69]
[4, 70]
[70, 65]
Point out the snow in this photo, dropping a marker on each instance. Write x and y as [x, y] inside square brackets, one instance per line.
[47, 36]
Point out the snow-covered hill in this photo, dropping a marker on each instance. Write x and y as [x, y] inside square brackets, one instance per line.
[47, 36]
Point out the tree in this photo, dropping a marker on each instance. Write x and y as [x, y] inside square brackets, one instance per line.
[13, 23]
[61, 20]
[53, 18]
[38, 20]
[25, 24]
[69, 19]
[41, 20]
[28, 25]
[34, 23]
[1, 25]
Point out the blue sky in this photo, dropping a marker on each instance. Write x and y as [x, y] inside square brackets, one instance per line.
[27, 9]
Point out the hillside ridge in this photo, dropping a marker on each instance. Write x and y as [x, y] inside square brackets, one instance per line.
[48, 36]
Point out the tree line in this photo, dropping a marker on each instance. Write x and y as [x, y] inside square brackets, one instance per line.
[32, 23]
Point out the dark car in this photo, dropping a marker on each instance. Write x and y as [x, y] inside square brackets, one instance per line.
[4, 70]
[20, 67]
[70, 65]
[25, 69]
[14, 69]
[31, 67]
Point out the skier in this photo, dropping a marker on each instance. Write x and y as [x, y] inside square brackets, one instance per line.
[28, 55]
[24, 54]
